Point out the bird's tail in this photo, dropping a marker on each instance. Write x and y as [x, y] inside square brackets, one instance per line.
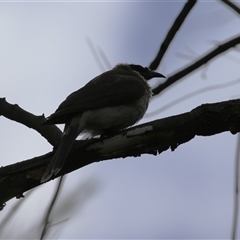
[60, 156]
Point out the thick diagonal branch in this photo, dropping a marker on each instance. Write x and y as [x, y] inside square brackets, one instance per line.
[151, 138]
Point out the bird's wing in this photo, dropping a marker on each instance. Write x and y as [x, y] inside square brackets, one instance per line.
[106, 90]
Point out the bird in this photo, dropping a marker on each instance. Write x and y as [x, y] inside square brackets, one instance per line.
[109, 103]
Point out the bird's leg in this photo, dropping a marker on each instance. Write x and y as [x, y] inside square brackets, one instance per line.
[108, 133]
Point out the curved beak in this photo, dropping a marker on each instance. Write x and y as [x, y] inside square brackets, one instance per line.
[155, 75]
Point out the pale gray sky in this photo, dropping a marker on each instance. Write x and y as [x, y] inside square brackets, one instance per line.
[187, 193]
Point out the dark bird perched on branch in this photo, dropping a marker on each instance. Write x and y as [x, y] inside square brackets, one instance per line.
[110, 102]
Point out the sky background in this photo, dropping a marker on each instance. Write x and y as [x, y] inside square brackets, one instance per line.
[44, 56]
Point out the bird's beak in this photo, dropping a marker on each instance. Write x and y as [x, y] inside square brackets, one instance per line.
[156, 74]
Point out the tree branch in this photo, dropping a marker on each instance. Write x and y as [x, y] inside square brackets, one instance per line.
[234, 7]
[172, 32]
[151, 138]
[47, 222]
[197, 64]
[17, 114]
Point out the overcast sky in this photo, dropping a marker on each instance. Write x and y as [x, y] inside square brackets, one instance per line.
[45, 56]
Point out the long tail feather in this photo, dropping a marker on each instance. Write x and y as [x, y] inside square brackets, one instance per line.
[60, 156]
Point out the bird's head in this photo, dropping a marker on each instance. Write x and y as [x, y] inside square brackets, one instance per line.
[145, 72]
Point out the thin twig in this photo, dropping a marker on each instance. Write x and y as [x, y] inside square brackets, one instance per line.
[95, 54]
[172, 32]
[192, 94]
[236, 191]
[47, 222]
[232, 5]
[14, 210]
[104, 58]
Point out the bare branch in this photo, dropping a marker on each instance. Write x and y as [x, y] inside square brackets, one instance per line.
[191, 95]
[197, 64]
[232, 6]
[172, 32]
[15, 113]
[236, 191]
[104, 59]
[95, 54]
[6, 220]
[46, 221]
[151, 138]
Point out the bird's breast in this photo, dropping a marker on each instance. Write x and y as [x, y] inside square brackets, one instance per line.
[98, 121]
